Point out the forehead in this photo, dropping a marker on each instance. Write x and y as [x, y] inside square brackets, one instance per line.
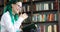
[19, 3]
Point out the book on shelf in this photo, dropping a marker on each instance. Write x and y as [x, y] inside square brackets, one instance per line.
[56, 17]
[34, 7]
[42, 6]
[50, 17]
[56, 5]
[28, 8]
[37, 6]
[52, 6]
[49, 28]
[55, 28]
[39, 17]
[42, 28]
[43, 17]
[46, 6]
[24, 9]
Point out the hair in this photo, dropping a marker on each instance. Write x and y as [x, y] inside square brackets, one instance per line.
[12, 2]
[8, 7]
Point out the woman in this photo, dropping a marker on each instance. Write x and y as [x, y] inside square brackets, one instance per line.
[10, 21]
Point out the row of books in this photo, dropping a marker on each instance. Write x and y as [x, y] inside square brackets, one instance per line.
[38, 7]
[44, 17]
[46, 28]
[26, 8]
[43, 6]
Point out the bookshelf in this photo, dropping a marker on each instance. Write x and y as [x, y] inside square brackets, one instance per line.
[45, 9]
[1, 7]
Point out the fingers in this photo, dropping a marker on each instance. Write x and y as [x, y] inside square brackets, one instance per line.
[24, 15]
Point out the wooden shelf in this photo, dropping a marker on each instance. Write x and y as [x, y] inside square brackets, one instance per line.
[40, 11]
[44, 11]
[27, 12]
[46, 22]
[1, 5]
[26, 2]
[44, 1]
[29, 2]
[26, 23]
[41, 22]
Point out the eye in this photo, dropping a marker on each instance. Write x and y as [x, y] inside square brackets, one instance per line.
[19, 6]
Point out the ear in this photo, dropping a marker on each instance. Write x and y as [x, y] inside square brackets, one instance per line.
[12, 5]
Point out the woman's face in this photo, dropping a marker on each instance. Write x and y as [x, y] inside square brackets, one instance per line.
[17, 7]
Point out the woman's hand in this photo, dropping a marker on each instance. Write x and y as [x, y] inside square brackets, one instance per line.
[24, 16]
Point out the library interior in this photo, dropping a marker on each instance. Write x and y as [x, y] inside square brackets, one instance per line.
[37, 16]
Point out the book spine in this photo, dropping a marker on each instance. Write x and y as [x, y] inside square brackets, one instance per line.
[55, 28]
[46, 6]
[37, 6]
[52, 6]
[42, 28]
[49, 28]
[56, 17]
[42, 6]
[28, 8]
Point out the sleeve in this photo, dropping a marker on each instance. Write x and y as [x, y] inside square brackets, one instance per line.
[18, 23]
[6, 22]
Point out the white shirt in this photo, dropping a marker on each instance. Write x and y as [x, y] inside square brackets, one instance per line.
[6, 23]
